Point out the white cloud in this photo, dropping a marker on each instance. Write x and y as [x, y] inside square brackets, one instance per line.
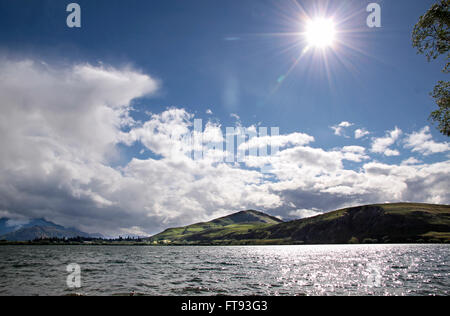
[381, 145]
[235, 116]
[304, 213]
[354, 153]
[279, 141]
[163, 133]
[134, 231]
[361, 132]
[209, 112]
[411, 161]
[339, 130]
[423, 143]
[354, 149]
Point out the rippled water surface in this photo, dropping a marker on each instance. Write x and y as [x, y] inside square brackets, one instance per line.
[280, 270]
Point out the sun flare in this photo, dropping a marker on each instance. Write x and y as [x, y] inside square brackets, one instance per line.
[320, 33]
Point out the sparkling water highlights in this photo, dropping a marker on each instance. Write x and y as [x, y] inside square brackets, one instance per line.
[281, 270]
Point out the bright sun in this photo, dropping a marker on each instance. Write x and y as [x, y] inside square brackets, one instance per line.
[320, 33]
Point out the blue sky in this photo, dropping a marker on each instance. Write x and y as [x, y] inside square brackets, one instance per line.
[230, 56]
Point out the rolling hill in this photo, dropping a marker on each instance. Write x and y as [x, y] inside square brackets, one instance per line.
[221, 228]
[378, 223]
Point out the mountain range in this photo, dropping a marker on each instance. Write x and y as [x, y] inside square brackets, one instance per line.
[376, 223]
[13, 230]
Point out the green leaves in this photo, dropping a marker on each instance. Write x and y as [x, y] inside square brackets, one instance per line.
[431, 36]
[441, 94]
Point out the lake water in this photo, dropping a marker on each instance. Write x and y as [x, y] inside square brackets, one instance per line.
[265, 270]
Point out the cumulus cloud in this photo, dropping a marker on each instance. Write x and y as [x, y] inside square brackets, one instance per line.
[381, 145]
[278, 141]
[339, 130]
[411, 161]
[162, 133]
[422, 142]
[361, 132]
[235, 116]
[59, 128]
[304, 213]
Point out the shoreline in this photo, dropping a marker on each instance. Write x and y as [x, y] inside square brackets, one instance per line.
[212, 245]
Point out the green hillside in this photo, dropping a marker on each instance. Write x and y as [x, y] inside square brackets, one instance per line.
[379, 223]
[401, 222]
[221, 228]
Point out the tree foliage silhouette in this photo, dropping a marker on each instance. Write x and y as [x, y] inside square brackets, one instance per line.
[431, 36]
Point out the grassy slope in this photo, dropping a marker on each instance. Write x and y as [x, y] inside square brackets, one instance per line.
[220, 228]
[401, 222]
